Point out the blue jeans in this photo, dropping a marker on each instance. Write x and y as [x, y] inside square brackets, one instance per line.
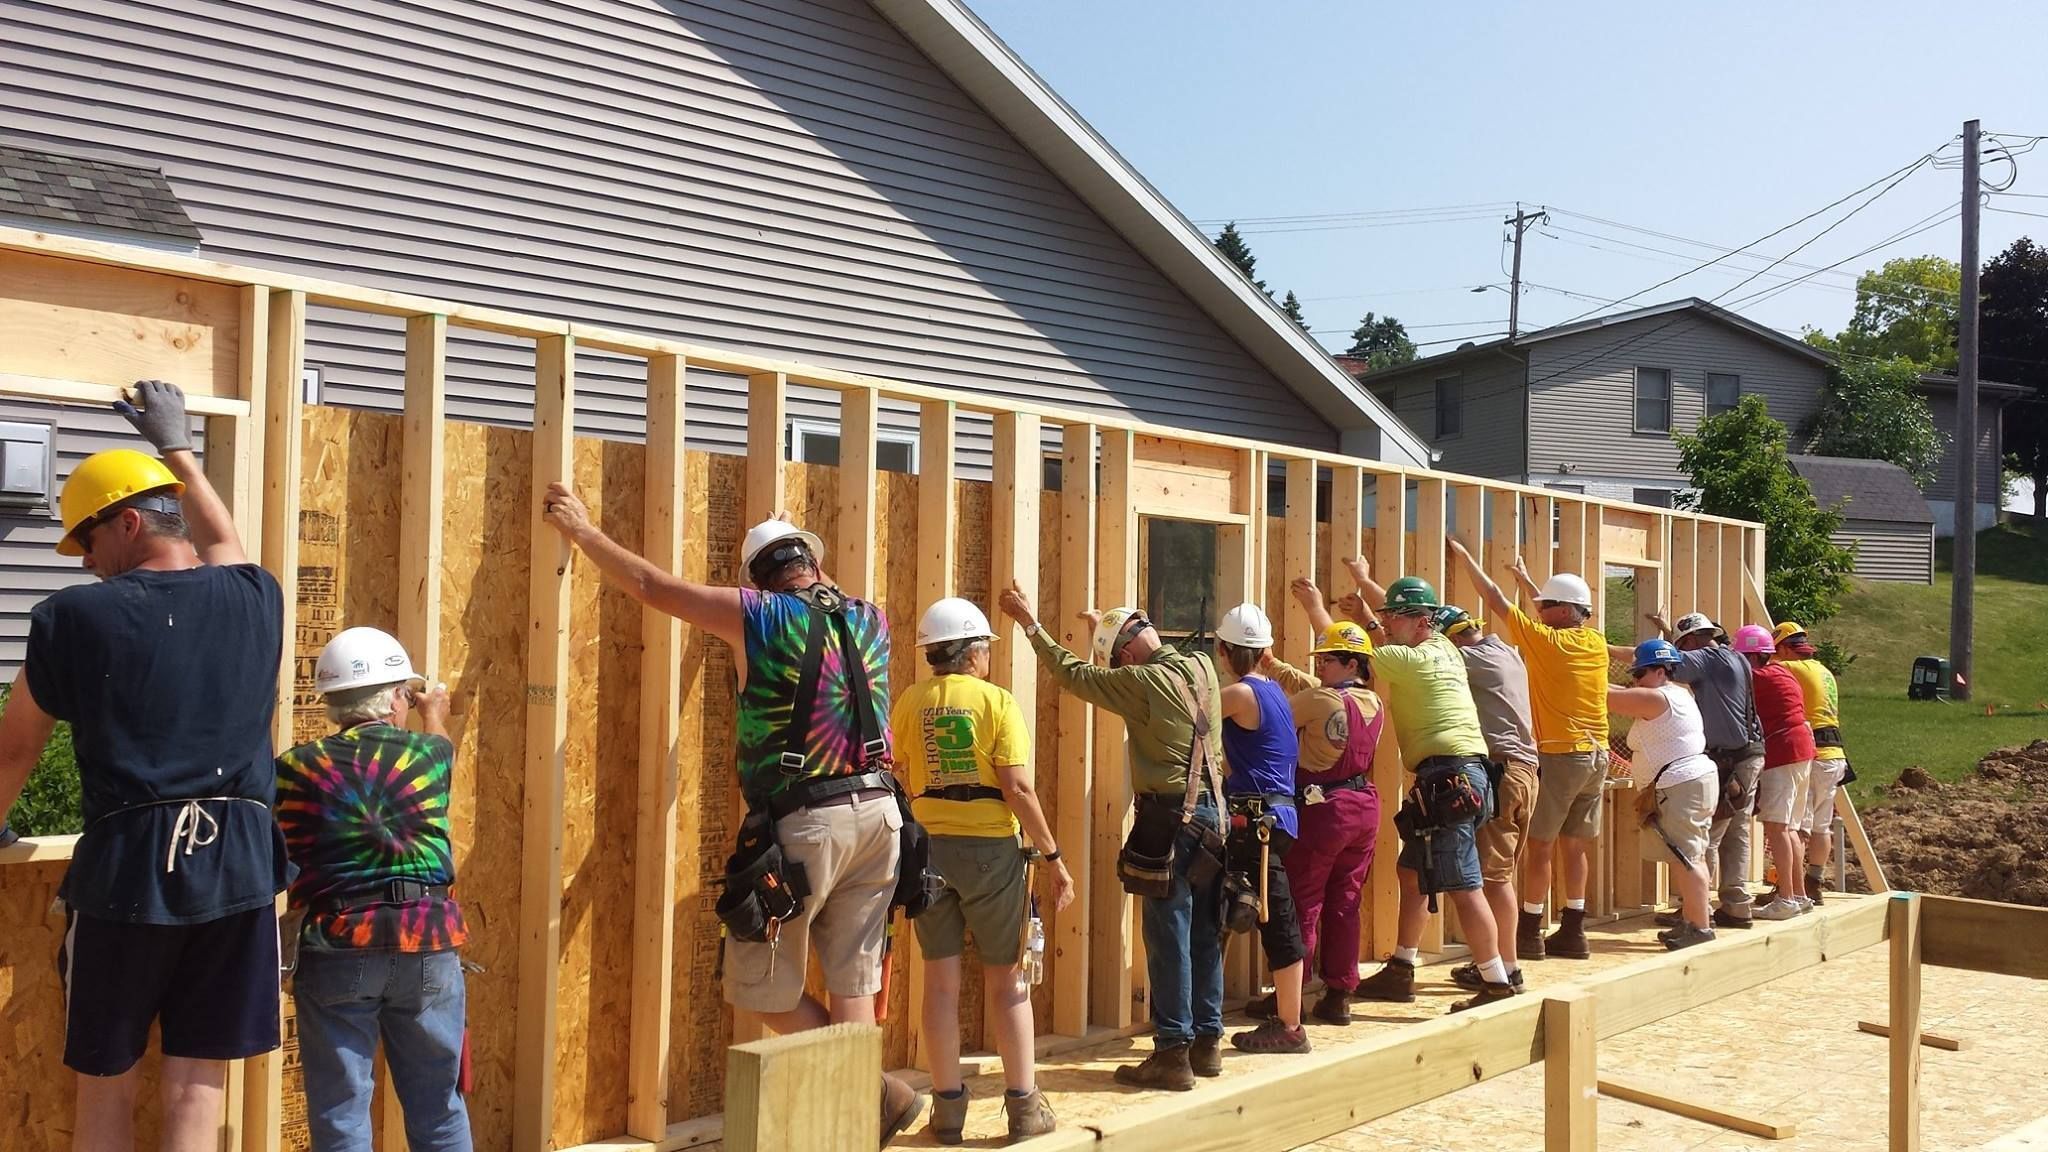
[414, 1000]
[1184, 950]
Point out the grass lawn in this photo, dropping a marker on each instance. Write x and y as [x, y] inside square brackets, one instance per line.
[1886, 625]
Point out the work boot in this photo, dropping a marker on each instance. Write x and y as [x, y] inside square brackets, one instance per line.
[1814, 883]
[949, 1116]
[901, 1106]
[1467, 976]
[1205, 1056]
[1489, 993]
[1333, 1008]
[1685, 936]
[1394, 983]
[1266, 1007]
[1726, 919]
[1671, 919]
[1529, 936]
[1030, 1115]
[1166, 1069]
[1272, 1037]
[1569, 941]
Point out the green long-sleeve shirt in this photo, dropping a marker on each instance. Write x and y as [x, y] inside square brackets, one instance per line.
[1148, 698]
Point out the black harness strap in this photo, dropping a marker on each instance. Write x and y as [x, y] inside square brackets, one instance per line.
[795, 739]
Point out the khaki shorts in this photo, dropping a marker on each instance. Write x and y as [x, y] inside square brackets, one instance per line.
[848, 852]
[1781, 794]
[1500, 839]
[985, 894]
[1685, 820]
[1821, 781]
[1568, 797]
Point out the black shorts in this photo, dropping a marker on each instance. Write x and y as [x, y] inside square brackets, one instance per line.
[214, 985]
[1280, 935]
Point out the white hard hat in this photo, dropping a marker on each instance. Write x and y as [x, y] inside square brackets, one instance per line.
[1567, 589]
[769, 532]
[1107, 629]
[953, 619]
[361, 658]
[1693, 622]
[1246, 626]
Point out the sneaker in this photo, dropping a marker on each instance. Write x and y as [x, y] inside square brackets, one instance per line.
[1166, 1069]
[1272, 1037]
[1569, 941]
[1685, 936]
[1266, 1007]
[1333, 1008]
[1806, 904]
[1205, 1056]
[1784, 909]
[1467, 976]
[1394, 983]
[1726, 919]
[1489, 993]
[1529, 936]
[949, 1116]
[1029, 1114]
[901, 1106]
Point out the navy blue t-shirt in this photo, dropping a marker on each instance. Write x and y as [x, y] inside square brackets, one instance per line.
[169, 681]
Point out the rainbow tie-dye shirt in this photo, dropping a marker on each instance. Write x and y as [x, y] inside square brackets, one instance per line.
[777, 629]
[360, 809]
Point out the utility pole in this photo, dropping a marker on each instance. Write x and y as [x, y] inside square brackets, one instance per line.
[1520, 221]
[1962, 595]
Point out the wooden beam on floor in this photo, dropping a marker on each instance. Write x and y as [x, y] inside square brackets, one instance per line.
[1637, 1093]
[1984, 936]
[1928, 1039]
[547, 722]
[1570, 1070]
[1071, 929]
[810, 1091]
[1112, 942]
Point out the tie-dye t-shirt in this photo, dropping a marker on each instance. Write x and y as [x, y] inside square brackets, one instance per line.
[777, 626]
[360, 809]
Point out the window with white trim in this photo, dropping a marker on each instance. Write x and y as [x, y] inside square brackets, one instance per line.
[895, 451]
[1653, 400]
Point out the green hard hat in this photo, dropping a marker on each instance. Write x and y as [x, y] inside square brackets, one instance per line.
[1410, 595]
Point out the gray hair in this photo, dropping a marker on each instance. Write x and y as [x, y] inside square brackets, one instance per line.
[349, 706]
[954, 657]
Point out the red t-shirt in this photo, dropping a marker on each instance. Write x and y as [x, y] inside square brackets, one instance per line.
[1788, 738]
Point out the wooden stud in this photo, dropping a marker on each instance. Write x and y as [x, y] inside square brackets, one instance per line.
[1468, 503]
[1635, 1093]
[1984, 936]
[1071, 929]
[1240, 578]
[1381, 919]
[1504, 542]
[1596, 565]
[853, 560]
[1114, 982]
[654, 817]
[421, 490]
[1347, 527]
[1429, 562]
[812, 1091]
[1570, 1070]
[1733, 603]
[1019, 476]
[547, 722]
[1571, 540]
[1299, 554]
[234, 444]
[938, 528]
[1707, 575]
[1902, 926]
[1928, 1039]
[1680, 567]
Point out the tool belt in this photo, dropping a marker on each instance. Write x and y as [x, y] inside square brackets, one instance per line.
[1441, 795]
[1827, 737]
[1734, 795]
[1247, 853]
[962, 793]
[390, 892]
[1145, 865]
[1358, 783]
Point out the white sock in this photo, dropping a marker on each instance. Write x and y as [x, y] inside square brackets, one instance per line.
[1532, 909]
[1407, 955]
[1494, 971]
[1576, 905]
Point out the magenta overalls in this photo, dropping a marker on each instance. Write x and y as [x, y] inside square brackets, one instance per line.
[1327, 866]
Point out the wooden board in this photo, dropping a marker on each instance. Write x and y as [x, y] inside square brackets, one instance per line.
[1984, 936]
[1068, 945]
[68, 321]
[1767, 1127]
[1929, 1039]
[811, 1092]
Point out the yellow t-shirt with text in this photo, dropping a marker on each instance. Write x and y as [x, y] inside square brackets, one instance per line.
[954, 730]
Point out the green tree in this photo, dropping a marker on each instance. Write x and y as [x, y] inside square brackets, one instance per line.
[1234, 249]
[1869, 409]
[1739, 468]
[2013, 337]
[1382, 341]
[49, 803]
[1292, 307]
[1906, 308]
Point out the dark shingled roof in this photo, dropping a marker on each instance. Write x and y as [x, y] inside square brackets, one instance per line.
[1874, 489]
[91, 193]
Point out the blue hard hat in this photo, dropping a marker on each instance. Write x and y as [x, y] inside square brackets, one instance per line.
[1656, 654]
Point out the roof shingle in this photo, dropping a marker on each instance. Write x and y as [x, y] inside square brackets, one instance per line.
[96, 193]
[1873, 489]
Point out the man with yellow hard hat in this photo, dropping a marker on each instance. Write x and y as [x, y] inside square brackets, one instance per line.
[166, 669]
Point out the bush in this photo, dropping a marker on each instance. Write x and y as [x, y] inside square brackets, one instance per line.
[49, 803]
[1833, 656]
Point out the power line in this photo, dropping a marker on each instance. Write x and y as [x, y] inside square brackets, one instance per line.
[1318, 217]
[1936, 219]
[1863, 284]
[2017, 212]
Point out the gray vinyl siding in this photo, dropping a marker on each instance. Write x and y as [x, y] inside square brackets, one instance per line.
[1890, 551]
[1582, 392]
[1942, 406]
[788, 177]
[1490, 443]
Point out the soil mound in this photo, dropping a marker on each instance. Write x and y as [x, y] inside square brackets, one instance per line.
[1984, 836]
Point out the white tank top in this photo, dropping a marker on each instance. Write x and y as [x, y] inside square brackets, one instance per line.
[1677, 738]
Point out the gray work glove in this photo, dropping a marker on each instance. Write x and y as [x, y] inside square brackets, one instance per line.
[7, 835]
[161, 417]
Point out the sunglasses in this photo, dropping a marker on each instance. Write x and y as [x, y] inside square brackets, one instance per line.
[1548, 603]
[766, 564]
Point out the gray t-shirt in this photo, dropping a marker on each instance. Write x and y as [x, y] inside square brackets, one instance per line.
[1719, 679]
[1500, 689]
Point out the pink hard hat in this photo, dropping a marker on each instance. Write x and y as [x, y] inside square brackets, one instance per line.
[1753, 639]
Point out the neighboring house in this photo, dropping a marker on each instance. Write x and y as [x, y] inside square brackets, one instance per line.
[1884, 516]
[878, 186]
[1596, 406]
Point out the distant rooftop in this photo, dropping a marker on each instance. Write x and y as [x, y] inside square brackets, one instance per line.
[91, 194]
[1872, 489]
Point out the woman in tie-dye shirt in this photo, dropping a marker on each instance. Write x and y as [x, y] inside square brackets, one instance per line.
[365, 817]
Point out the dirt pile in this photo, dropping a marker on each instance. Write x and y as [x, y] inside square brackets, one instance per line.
[1984, 836]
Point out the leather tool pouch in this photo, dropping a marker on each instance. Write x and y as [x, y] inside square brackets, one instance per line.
[761, 889]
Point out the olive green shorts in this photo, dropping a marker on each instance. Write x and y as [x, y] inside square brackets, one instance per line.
[985, 894]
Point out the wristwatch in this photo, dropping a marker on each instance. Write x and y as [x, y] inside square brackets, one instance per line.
[1372, 625]
[1033, 629]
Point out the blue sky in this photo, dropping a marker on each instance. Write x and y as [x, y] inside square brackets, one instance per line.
[1711, 122]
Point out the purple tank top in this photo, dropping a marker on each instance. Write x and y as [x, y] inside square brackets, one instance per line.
[1263, 759]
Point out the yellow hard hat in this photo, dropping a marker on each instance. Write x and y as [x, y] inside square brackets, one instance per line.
[1344, 636]
[103, 480]
[1787, 628]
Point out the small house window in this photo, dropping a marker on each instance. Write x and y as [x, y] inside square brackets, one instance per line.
[1450, 408]
[1654, 497]
[1724, 392]
[1653, 400]
[819, 444]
